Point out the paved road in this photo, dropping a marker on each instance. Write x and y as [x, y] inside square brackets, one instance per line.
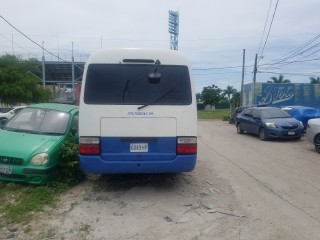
[277, 183]
[241, 189]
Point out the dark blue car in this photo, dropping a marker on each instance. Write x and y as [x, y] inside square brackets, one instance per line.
[269, 122]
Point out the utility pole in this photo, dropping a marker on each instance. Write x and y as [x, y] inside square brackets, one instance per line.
[12, 45]
[43, 68]
[254, 80]
[242, 81]
[73, 81]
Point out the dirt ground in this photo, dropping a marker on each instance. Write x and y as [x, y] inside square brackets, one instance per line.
[242, 189]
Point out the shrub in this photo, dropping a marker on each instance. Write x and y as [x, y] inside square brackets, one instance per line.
[69, 164]
[225, 118]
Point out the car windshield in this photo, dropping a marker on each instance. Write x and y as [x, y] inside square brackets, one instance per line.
[5, 110]
[39, 121]
[274, 113]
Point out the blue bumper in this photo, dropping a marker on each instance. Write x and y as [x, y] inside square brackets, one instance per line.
[284, 134]
[181, 163]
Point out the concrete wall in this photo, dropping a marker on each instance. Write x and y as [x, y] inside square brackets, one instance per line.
[283, 94]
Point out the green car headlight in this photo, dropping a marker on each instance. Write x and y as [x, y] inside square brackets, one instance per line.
[270, 125]
[40, 159]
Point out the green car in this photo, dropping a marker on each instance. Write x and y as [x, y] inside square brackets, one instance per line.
[30, 142]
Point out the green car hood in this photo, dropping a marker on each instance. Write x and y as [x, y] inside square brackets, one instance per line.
[25, 145]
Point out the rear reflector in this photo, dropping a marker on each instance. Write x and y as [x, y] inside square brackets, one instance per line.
[89, 145]
[186, 145]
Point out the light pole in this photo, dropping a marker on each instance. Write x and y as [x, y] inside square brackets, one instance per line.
[174, 29]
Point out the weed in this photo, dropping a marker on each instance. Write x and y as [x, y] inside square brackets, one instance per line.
[27, 229]
[70, 172]
[21, 202]
[51, 232]
[85, 228]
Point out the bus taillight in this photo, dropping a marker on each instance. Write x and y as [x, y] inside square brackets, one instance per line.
[186, 145]
[89, 146]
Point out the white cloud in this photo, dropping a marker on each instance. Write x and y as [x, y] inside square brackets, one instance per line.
[212, 33]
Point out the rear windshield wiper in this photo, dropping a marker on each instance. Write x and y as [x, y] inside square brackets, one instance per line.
[125, 90]
[158, 99]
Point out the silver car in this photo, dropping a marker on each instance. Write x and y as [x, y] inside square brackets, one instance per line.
[8, 113]
[313, 132]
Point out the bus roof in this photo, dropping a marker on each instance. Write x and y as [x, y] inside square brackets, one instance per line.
[137, 55]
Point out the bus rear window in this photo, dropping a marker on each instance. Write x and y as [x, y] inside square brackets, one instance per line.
[128, 84]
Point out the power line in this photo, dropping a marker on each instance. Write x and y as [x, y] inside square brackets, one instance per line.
[265, 25]
[295, 52]
[286, 63]
[292, 74]
[214, 73]
[10, 40]
[265, 43]
[218, 68]
[34, 41]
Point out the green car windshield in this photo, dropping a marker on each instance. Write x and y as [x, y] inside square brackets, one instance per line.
[40, 121]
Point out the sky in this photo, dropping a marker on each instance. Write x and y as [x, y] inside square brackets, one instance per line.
[212, 34]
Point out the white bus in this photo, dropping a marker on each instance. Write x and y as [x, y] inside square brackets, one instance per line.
[137, 113]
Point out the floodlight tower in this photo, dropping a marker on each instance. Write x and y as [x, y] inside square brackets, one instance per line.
[174, 29]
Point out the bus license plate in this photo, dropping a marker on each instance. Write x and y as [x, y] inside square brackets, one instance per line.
[139, 147]
[5, 169]
[291, 133]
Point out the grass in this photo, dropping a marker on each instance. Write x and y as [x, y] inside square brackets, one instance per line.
[222, 114]
[20, 202]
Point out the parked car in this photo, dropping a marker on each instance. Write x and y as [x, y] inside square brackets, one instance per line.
[235, 113]
[8, 113]
[32, 139]
[313, 133]
[269, 122]
[288, 108]
[68, 90]
[303, 114]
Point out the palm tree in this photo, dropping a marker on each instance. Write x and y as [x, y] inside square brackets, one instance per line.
[236, 99]
[229, 91]
[279, 80]
[315, 80]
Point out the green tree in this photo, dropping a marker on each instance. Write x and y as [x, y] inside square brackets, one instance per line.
[229, 91]
[211, 95]
[17, 85]
[236, 99]
[279, 80]
[314, 80]
[198, 97]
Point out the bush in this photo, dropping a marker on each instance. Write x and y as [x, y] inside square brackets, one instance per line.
[223, 104]
[69, 164]
[225, 118]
